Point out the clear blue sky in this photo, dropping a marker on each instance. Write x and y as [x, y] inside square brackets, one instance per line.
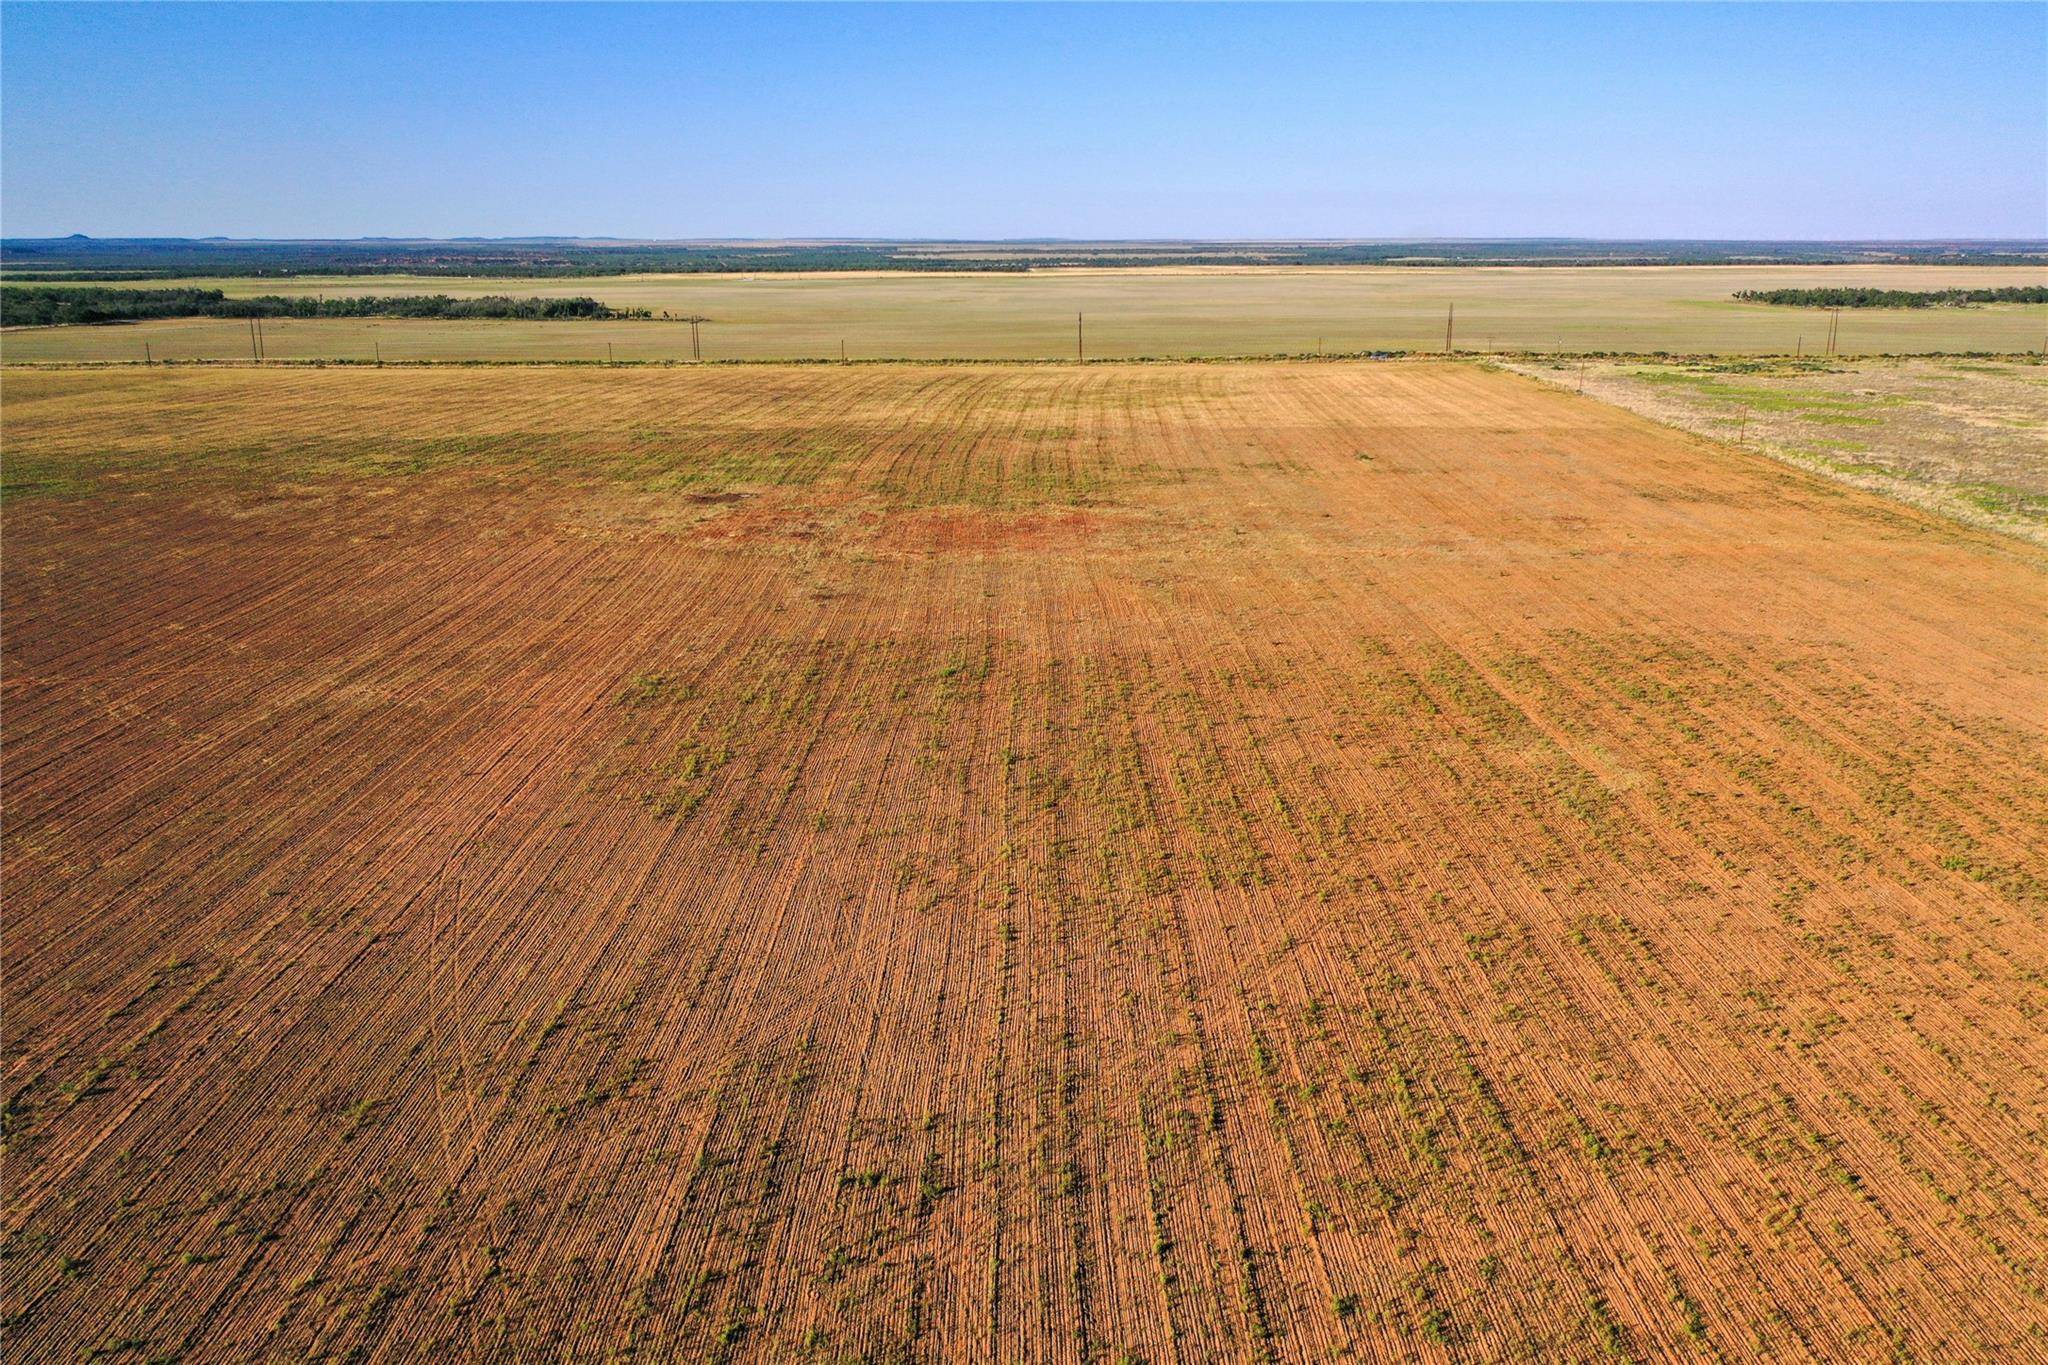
[1009, 121]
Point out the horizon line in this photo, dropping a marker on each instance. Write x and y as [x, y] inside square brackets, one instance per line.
[1380, 240]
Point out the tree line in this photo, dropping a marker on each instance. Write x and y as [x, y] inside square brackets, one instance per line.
[86, 259]
[23, 306]
[1893, 298]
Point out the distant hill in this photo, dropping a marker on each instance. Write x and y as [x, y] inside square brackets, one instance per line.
[82, 258]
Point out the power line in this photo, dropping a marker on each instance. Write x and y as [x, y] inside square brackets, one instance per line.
[696, 338]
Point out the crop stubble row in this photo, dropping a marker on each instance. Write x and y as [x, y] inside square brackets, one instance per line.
[1039, 863]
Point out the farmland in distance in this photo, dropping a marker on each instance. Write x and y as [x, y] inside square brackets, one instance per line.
[1157, 312]
[1165, 863]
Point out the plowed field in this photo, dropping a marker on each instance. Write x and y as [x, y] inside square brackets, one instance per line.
[1168, 863]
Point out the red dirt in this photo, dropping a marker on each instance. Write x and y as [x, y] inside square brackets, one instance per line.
[1206, 862]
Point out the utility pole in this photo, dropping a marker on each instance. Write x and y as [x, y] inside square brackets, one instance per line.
[607, 353]
[842, 350]
[377, 350]
[253, 357]
[1450, 317]
[145, 354]
[1080, 351]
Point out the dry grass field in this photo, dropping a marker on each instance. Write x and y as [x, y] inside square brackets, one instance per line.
[1964, 437]
[1111, 863]
[1232, 311]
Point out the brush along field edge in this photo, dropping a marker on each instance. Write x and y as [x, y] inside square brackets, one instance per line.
[1187, 863]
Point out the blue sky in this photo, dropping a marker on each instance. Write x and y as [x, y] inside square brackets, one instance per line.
[1006, 121]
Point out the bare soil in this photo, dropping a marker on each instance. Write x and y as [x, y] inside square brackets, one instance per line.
[1057, 864]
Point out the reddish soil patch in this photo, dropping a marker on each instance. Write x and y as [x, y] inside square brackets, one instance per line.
[948, 531]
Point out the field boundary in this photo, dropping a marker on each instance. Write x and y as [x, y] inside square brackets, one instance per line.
[1942, 504]
[1249, 358]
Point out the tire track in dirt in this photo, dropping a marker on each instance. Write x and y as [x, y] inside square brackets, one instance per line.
[1037, 862]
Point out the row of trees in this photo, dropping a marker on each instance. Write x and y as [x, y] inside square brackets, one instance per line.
[89, 260]
[32, 307]
[1893, 298]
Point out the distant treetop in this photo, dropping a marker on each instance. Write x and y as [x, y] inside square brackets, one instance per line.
[33, 306]
[1893, 298]
[78, 258]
